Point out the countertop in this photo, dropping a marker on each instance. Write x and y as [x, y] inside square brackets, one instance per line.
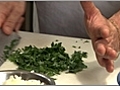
[93, 75]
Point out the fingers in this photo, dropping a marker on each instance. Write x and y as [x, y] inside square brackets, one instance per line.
[5, 9]
[19, 23]
[102, 32]
[13, 19]
[10, 24]
[107, 63]
[102, 49]
[97, 28]
[105, 54]
[100, 61]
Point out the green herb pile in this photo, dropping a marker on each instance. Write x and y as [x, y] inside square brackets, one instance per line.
[48, 60]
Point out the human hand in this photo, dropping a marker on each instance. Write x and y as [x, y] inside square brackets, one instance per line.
[11, 15]
[104, 36]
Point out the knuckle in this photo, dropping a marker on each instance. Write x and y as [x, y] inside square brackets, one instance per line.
[5, 9]
[10, 23]
[17, 12]
[2, 16]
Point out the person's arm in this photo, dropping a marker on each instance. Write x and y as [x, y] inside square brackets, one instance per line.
[104, 34]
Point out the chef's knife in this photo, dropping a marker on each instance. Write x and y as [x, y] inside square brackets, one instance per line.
[5, 40]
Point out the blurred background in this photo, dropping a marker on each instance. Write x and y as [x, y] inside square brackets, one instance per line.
[31, 18]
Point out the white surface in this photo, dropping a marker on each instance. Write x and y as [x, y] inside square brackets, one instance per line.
[93, 75]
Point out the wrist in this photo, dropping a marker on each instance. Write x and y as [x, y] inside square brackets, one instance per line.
[115, 20]
[115, 25]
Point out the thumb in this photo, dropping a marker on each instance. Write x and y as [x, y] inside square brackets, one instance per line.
[89, 8]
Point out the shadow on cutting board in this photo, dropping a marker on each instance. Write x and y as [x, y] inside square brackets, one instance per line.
[95, 74]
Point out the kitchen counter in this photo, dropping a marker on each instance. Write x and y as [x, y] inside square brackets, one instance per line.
[93, 75]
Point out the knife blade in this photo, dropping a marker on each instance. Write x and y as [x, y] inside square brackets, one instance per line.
[5, 40]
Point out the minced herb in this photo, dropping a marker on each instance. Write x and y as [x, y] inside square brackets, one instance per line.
[79, 47]
[74, 46]
[48, 60]
[86, 41]
[56, 40]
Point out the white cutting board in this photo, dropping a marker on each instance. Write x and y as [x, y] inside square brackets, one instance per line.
[93, 75]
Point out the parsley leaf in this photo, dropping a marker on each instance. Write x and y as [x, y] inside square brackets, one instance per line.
[47, 60]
